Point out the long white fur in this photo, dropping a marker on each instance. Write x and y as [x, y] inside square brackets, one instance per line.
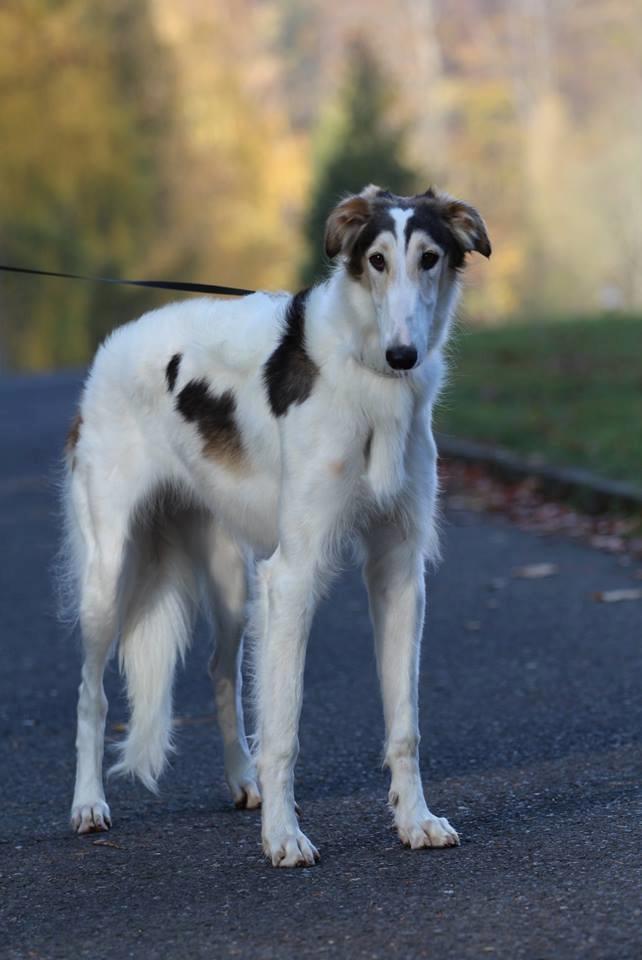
[154, 527]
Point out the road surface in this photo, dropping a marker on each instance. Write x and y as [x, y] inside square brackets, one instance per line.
[531, 719]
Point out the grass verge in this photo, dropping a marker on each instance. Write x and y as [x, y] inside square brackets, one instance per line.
[566, 392]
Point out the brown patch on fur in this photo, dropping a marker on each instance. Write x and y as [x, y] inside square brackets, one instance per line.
[72, 439]
[337, 467]
[347, 218]
[214, 417]
[467, 225]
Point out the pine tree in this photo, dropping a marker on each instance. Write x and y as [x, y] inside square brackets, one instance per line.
[357, 145]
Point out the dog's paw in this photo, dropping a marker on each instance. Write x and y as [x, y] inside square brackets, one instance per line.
[246, 795]
[427, 831]
[240, 774]
[93, 817]
[290, 850]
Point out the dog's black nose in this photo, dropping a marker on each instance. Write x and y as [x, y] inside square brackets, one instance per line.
[401, 358]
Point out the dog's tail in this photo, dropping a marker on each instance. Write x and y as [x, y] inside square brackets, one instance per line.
[159, 607]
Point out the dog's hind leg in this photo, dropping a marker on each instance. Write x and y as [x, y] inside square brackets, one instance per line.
[227, 589]
[394, 574]
[96, 548]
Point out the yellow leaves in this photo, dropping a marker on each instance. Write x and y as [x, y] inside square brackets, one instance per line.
[241, 204]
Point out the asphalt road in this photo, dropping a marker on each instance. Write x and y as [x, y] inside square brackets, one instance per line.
[531, 746]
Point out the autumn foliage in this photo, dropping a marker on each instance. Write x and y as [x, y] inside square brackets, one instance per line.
[205, 140]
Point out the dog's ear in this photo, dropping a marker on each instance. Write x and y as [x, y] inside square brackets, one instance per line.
[346, 220]
[467, 226]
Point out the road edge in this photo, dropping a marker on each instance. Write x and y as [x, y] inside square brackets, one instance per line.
[593, 493]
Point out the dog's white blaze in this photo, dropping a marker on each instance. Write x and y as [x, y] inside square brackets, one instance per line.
[405, 296]
[402, 292]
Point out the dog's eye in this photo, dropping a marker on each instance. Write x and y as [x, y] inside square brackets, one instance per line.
[428, 260]
[378, 261]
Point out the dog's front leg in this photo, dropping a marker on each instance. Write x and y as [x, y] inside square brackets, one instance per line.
[394, 574]
[315, 502]
[288, 601]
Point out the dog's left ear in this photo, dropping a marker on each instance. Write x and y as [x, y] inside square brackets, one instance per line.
[467, 226]
[346, 220]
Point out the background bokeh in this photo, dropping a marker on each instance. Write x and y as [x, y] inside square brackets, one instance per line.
[206, 140]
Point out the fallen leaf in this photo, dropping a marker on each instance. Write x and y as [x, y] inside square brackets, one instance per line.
[616, 596]
[536, 571]
[497, 583]
[106, 843]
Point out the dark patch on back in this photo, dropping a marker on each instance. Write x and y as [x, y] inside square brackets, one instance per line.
[215, 419]
[427, 216]
[171, 371]
[289, 373]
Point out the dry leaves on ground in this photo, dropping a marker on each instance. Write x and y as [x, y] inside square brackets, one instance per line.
[473, 486]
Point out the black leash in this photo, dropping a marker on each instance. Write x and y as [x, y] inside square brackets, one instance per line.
[181, 285]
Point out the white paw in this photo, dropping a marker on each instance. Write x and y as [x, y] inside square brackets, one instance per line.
[418, 827]
[290, 850]
[423, 829]
[93, 817]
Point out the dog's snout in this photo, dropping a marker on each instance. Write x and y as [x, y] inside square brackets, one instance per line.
[401, 358]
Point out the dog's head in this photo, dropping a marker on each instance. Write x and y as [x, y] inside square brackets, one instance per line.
[406, 252]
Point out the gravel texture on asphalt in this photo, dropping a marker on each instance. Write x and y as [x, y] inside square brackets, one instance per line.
[531, 717]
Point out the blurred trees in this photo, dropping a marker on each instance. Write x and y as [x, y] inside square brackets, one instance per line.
[177, 139]
[358, 143]
[530, 109]
[85, 94]
[242, 178]
[139, 139]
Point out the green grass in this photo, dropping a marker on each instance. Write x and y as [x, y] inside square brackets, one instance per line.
[567, 392]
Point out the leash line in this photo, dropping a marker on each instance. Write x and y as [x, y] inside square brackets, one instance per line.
[181, 285]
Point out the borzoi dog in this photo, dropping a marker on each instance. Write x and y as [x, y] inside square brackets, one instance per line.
[224, 441]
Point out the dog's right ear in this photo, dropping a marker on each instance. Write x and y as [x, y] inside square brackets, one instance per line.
[346, 220]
